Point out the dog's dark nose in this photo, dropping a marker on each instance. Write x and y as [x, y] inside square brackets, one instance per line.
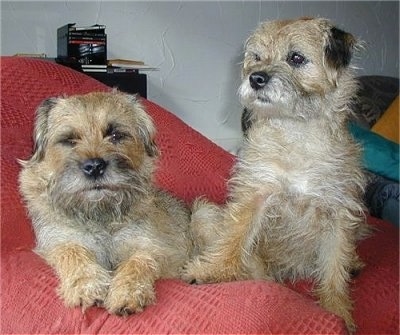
[94, 167]
[258, 80]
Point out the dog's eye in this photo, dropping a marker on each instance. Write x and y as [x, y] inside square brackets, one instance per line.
[252, 56]
[256, 57]
[68, 141]
[116, 136]
[296, 59]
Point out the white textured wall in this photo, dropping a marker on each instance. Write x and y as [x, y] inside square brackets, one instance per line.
[196, 45]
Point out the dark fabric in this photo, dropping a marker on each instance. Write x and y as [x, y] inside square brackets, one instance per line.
[382, 199]
[374, 96]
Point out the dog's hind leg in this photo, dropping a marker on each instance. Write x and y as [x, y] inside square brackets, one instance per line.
[231, 256]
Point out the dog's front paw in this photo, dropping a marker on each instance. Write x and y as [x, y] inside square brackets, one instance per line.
[126, 296]
[86, 288]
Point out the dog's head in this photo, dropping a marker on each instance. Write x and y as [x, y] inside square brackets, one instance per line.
[94, 152]
[296, 66]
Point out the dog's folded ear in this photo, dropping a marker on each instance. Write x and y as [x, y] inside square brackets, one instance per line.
[149, 143]
[40, 138]
[146, 128]
[338, 50]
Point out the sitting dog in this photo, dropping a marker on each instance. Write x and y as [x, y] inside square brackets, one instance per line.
[295, 196]
[99, 221]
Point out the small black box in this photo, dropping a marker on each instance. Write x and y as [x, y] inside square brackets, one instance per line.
[84, 45]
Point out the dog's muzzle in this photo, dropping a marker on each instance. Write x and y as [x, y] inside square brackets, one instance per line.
[94, 168]
[258, 80]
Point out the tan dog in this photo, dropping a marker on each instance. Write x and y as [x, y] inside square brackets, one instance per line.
[103, 226]
[295, 203]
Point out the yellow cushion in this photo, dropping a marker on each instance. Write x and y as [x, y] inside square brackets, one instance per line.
[388, 124]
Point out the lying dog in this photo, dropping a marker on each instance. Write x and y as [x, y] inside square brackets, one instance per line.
[103, 226]
[295, 201]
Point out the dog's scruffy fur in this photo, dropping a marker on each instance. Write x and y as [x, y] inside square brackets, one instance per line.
[295, 201]
[99, 221]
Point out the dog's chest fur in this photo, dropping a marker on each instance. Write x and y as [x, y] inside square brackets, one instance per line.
[297, 158]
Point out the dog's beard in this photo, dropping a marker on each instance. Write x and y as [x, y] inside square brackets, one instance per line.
[277, 92]
[103, 199]
[280, 98]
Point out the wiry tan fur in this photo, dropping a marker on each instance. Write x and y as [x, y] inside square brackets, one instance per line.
[108, 237]
[295, 201]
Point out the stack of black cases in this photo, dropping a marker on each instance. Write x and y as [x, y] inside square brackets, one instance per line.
[86, 46]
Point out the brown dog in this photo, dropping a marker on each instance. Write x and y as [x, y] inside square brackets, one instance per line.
[103, 226]
[295, 203]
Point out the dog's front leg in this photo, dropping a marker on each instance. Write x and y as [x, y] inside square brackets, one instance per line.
[83, 282]
[132, 287]
[335, 262]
